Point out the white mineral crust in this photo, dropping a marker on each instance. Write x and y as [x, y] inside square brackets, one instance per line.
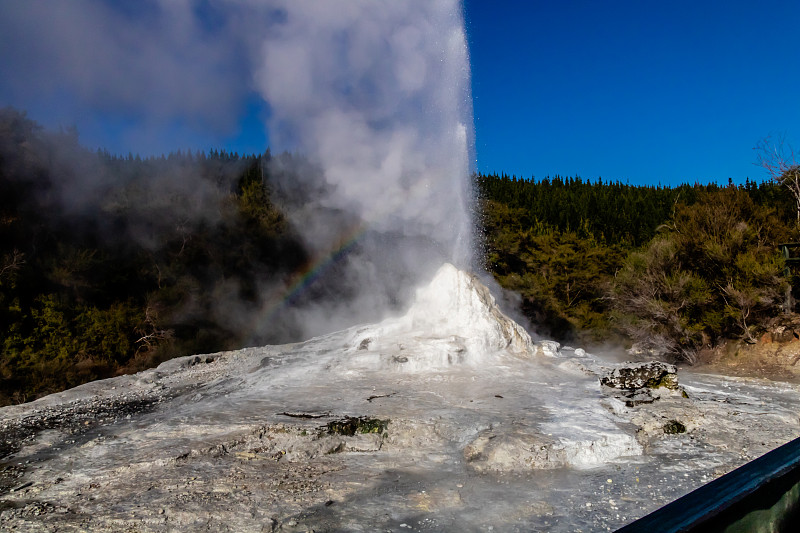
[461, 423]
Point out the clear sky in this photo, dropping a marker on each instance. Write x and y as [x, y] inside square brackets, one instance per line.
[639, 91]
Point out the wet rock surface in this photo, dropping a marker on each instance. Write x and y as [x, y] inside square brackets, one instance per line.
[332, 435]
[173, 467]
[74, 419]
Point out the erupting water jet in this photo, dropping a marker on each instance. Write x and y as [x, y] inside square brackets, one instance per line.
[378, 97]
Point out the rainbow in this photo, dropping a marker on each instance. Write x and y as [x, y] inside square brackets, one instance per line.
[301, 279]
[312, 270]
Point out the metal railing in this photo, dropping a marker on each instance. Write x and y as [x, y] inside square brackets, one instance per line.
[761, 496]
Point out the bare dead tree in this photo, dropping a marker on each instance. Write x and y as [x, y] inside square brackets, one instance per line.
[742, 302]
[184, 230]
[781, 163]
[11, 263]
[151, 333]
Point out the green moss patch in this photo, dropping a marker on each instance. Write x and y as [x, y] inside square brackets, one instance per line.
[673, 427]
[349, 426]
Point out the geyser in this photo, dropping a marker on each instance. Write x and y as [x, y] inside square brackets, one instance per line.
[454, 320]
[455, 420]
[374, 95]
[377, 95]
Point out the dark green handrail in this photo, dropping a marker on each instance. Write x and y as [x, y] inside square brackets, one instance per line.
[763, 495]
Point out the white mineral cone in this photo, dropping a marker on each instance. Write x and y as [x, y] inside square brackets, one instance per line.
[454, 320]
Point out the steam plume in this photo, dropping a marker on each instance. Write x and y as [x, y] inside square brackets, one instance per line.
[377, 95]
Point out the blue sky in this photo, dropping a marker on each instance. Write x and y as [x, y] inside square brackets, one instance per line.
[644, 92]
[637, 91]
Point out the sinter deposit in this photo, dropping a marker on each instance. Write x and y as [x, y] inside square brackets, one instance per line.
[449, 418]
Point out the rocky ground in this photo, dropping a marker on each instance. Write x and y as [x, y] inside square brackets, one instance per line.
[446, 419]
[105, 459]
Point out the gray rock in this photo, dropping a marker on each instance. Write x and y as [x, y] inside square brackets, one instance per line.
[650, 375]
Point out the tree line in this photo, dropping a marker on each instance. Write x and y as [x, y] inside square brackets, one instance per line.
[114, 264]
[670, 270]
[111, 264]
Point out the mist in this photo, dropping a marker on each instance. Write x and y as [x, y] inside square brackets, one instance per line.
[373, 97]
[377, 95]
[147, 77]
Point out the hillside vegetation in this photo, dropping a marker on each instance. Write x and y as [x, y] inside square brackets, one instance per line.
[112, 264]
[668, 269]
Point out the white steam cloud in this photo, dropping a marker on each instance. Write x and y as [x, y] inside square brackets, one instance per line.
[149, 70]
[377, 94]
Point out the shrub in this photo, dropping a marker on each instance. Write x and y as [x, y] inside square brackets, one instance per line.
[713, 272]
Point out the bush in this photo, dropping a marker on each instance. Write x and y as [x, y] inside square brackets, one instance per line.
[560, 275]
[713, 272]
